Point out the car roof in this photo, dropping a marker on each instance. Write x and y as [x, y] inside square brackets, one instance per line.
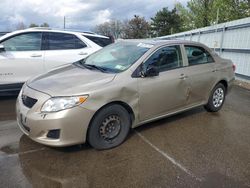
[160, 42]
[45, 29]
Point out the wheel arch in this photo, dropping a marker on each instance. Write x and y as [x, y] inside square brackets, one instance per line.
[121, 103]
[224, 82]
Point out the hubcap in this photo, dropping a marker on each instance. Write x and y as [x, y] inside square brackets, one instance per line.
[110, 127]
[218, 97]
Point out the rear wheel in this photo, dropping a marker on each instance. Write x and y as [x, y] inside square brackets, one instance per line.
[216, 99]
[109, 128]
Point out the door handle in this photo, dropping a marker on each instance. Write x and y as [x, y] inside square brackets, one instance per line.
[183, 77]
[83, 53]
[36, 55]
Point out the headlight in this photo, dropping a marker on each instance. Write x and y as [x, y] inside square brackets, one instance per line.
[56, 104]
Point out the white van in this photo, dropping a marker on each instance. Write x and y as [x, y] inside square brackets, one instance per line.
[30, 52]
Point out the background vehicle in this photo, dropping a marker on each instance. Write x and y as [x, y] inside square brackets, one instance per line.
[33, 51]
[122, 86]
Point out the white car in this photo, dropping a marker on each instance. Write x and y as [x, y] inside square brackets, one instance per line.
[30, 52]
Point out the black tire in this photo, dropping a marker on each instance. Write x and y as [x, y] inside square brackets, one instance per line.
[114, 118]
[215, 103]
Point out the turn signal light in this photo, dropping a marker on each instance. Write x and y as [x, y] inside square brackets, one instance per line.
[82, 99]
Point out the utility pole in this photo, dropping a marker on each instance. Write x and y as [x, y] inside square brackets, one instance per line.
[64, 22]
[217, 21]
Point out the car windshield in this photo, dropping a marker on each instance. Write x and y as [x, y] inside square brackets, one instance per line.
[116, 57]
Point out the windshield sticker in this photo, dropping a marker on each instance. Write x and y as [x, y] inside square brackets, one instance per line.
[143, 45]
[120, 67]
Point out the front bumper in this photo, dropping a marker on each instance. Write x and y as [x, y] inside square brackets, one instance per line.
[71, 124]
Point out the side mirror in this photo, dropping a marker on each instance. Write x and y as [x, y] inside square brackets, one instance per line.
[151, 71]
[2, 48]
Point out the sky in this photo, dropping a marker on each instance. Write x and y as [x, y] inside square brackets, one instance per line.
[80, 14]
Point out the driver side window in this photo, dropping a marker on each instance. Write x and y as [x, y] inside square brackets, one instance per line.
[24, 42]
[166, 58]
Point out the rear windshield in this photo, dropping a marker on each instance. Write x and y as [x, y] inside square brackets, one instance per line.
[99, 40]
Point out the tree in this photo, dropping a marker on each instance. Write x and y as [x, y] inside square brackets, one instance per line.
[166, 22]
[201, 11]
[231, 9]
[20, 26]
[33, 25]
[44, 25]
[136, 28]
[111, 28]
[186, 18]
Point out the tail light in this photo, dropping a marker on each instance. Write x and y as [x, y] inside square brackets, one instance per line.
[234, 67]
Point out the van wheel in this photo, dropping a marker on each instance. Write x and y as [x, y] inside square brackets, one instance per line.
[109, 128]
[216, 99]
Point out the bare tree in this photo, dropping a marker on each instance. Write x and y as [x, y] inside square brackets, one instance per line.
[137, 27]
[111, 28]
[103, 29]
[20, 26]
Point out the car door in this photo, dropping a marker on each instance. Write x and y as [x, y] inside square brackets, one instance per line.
[166, 92]
[21, 58]
[201, 72]
[63, 48]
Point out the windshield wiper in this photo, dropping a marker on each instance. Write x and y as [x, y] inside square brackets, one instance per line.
[94, 67]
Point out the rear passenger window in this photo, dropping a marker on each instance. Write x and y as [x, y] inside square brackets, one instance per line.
[166, 58]
[99, 40]
[64, 41]
[198, 55]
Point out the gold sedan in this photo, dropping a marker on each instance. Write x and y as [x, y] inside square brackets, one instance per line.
[124, 85]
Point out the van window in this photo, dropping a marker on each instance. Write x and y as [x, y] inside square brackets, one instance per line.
[99, 40]
[24, 42]
[64, 41]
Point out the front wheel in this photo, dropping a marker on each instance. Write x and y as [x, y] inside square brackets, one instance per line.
[109, 128]
[216, 99]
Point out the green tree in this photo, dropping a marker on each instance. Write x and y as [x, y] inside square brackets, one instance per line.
[187, 19]
[166, 22]
[44, 25]
[33, 25]
[201, 11]
[231, 10]
[136, 28]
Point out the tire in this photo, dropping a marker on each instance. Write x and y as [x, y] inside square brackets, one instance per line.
[109, 128]
[216, 99]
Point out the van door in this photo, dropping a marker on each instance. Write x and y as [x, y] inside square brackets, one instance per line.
[63, 48]
[21, 58]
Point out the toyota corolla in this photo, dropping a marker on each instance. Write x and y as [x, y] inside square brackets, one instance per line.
[124, 85]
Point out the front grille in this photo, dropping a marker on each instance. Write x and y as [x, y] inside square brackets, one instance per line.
[28, 101]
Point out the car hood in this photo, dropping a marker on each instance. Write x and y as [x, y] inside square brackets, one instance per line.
[70, 80]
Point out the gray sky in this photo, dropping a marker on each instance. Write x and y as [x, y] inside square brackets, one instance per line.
[80, 14]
